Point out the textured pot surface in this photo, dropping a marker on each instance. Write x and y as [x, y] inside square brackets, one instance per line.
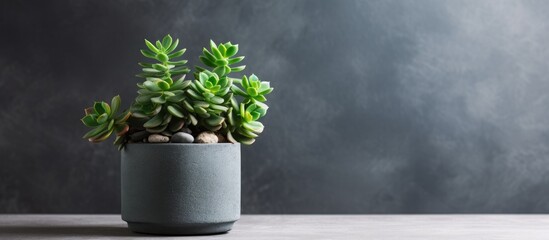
[174, 189]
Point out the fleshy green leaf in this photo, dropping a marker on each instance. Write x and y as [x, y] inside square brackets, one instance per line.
[222, 49]
[217, 100]
[176, 98]
[267, 91]
[148, 54]
[158, 100]
[247, 133]
[219, 107]
[188, 106]
[247, 141]
[207, 61]
[122, 118]
[163, 85]
[220, 71]
[235, 60]
[177, 54]
[245, 82]
[159, 45]
[252, 91]
[151, 46]
[151, 86]
[173, 46]
[232, 50]
[231, 138]
[193, 119]
[102, 118]
[248, 116]
[238, 69]
[260, 98]
[175, 112]
[238, 91]
[154, 122]
[115, 104]
[162, 57]
[103, 136]
[220, 62]
[212, 44]
[201, 111]
[242, 110]
[167, 41]
[98, 108]
[254, 126]
[122, 129]
[138, 115]
[216, 53]
[89, 121]
[214, 120]
[159, 67]
[96, 131]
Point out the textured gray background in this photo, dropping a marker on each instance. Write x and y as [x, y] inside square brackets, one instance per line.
[379, 106]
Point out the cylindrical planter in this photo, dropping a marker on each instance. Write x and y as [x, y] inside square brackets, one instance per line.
[181, 189]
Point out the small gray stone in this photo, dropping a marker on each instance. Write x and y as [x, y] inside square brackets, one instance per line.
[138, 136]
[186, 130]
[157, 138]
[182, 137]
[206, 137]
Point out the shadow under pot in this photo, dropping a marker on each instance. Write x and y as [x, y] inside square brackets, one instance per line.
[181, 189]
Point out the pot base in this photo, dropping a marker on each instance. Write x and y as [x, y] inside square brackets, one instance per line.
[181, 229]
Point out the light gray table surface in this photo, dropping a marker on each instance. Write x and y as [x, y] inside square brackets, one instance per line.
[275, 227]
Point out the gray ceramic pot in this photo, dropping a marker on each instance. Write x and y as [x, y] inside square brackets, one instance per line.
[181, 189]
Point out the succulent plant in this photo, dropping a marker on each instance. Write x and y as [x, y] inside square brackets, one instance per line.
[160, 98]
[220, 58]
[166, 101]
[243, 118]
[104, 120]
[209, 99]
[254, 90]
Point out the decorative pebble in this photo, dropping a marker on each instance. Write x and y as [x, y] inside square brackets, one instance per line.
[221, 138]
[182, 137]
[138, 136]
[157, 138]
[206, 137]
[186, 130]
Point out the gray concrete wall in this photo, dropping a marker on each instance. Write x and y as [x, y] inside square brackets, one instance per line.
[379, 106]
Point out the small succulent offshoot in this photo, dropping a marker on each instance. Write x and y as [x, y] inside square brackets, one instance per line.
[244, 126]
[104, 120]
[211, 102]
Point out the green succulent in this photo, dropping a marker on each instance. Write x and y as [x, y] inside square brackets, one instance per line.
[244, 126]
[104, 120]
[243, 118]
[164, 53]
[254, 90]
[166, 101]
[209, 98]
[220, 58]
[160, 98]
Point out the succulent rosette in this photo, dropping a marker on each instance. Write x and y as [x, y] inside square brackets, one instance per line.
[104, 120]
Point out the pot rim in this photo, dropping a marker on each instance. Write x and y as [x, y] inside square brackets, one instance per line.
[183, 144]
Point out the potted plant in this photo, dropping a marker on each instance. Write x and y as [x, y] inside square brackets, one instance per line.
[180, 139]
